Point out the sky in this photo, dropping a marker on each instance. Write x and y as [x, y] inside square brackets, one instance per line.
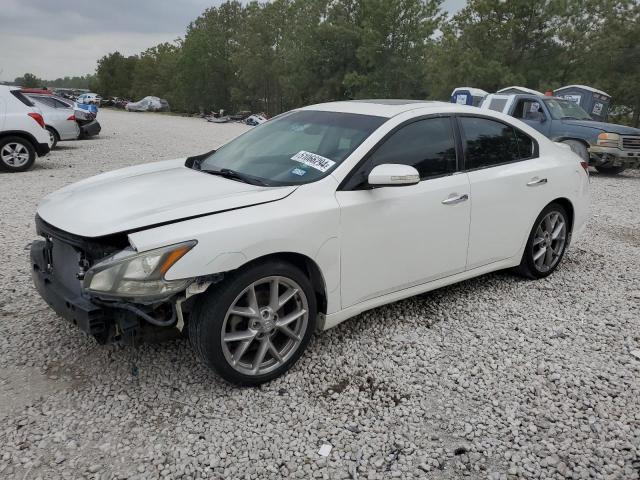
[57, 38]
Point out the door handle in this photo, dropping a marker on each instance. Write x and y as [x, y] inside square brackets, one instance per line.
[453, 199]
[535, 181]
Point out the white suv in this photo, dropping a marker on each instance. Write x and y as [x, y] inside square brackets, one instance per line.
[22, 131]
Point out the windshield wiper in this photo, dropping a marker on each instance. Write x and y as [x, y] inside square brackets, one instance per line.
[233, 175]
[572, 118]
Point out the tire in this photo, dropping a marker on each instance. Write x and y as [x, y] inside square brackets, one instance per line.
[16, 154]
[258, 343]
[54, 137]
[542, 233]
[578, 148]
[610, 170]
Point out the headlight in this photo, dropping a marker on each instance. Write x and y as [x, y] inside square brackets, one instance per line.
[138, 275]
[606, 139]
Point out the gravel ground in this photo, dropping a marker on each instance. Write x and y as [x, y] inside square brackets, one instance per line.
[495, 378]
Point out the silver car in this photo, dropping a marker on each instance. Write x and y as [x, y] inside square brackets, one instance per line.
[58, 116]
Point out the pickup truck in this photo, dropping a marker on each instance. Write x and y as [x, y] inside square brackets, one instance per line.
[608, 147]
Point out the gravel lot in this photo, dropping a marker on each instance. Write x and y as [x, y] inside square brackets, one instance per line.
[495, 378]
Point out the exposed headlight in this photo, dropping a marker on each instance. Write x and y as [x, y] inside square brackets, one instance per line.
[606, 139]
[138, 275]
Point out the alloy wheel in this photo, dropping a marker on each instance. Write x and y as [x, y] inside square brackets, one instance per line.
[265, 325]
[549, 241]
[14, 154]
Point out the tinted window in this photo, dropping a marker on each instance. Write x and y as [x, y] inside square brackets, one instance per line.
[22, 98]
[49, 102]
[526, 147]
[427, 145]
[488, 142]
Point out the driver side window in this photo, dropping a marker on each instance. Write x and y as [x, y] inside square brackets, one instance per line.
[528, 110]
[428, 145]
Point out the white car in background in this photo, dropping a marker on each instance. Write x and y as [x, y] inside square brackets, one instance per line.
[303, 222]
[89, 98]
[59, 117]
[22, 131]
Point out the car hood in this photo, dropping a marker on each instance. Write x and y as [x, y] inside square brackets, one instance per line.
[145, 195]
[605, 127]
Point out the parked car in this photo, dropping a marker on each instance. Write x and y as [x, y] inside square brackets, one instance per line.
[303, 222]
[23, 136]
[89, 125]
[610, 148]
[89, 98]
[148, 104]
[59, 117]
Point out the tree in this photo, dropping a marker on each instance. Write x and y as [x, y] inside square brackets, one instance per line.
[29, 80]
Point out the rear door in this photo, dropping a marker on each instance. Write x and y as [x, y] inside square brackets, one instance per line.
[508, 185]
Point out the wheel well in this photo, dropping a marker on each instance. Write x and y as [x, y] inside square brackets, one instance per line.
[308, 266]
[49, 127]
[582, 141]
[25, 136]
[568, 206]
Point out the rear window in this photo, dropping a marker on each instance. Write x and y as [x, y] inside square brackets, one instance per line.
[20, 96]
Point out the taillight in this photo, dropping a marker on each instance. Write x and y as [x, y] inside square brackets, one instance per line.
[72, 118]
[38, 118]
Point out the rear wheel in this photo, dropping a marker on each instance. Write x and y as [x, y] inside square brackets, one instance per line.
[579, 149]
[16, 154]
[610, 170]
[53, 137]
[254, 326]
[546, 244]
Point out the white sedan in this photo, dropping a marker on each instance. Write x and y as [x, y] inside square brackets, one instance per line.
[303, 222]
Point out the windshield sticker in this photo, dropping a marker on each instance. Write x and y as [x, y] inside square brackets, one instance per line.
[313, 160]
[298, 171]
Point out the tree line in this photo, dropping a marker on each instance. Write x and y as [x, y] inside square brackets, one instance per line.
[278, 55]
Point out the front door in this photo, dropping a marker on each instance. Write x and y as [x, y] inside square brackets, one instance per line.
[397, 237]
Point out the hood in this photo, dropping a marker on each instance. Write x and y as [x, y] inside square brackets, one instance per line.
[145, 195]
[605, 127]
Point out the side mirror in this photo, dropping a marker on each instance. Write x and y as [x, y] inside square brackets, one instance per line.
[393, 175]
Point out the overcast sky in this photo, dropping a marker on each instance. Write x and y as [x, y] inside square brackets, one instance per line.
[55, 38]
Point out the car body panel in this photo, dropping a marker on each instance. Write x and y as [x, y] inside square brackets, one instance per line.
[58, 119]
[126, 200]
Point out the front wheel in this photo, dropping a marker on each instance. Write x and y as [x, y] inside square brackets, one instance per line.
[256, 324]
[610, 170]
[546, 244]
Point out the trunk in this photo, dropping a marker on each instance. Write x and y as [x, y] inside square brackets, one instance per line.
[635, 121]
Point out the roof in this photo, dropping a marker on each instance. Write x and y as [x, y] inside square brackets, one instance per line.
[476, 92]
[522, 89]
[378, 107]
[584, 87]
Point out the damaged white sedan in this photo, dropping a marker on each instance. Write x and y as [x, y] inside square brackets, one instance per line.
[303, 222]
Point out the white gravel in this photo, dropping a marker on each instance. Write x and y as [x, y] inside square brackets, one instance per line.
[495, 378]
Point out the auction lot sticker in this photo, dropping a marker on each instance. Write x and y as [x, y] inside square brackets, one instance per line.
[313, 160]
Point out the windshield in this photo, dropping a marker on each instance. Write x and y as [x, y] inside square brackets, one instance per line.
[566, 109]
[295, 148]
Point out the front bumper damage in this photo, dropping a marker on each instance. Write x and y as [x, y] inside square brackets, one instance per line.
[614, 157]
[57, 266]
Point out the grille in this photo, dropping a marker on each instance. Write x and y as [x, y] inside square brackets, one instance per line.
[631, 143]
